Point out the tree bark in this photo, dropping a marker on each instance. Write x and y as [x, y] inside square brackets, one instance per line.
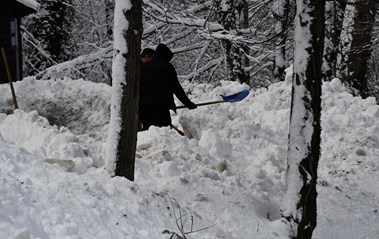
[126, 148]
[243, 15]
[281, 15]
[300, 207]
[334, 20]
[360, 51]
[109, 5]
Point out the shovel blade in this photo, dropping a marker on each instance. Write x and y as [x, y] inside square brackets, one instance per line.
[235, 97]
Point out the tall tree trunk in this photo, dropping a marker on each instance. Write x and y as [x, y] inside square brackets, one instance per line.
[126, 149]
[345, 39]
[50, 29]
[126, 74]
[300, 208]
[109, 5]
[281, 15]
[109, 15]
[226, 15]
[359, 24]
[334, 18]
[360, 51]
[243, 13]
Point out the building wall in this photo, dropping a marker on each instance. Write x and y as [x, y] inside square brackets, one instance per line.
[11, 10]
[10, 42]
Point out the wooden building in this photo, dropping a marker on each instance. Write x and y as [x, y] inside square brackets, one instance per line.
[11, 12]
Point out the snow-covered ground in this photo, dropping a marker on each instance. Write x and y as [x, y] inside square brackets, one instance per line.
[224, 179]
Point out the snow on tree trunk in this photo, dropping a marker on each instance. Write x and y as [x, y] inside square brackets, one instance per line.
[299, 206]
[125, 88]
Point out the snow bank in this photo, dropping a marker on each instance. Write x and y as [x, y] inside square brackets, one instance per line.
[226, 178]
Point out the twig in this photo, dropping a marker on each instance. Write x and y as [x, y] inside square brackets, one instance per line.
[180, 222]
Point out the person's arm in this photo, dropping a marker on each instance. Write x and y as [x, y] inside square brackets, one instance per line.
[178, 89]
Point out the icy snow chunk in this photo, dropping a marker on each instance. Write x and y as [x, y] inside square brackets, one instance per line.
[169, 168]
[211, 140]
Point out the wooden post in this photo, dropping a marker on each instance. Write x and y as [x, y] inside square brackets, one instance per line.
[9, 77]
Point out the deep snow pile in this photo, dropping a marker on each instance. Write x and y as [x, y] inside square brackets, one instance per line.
[225, 179]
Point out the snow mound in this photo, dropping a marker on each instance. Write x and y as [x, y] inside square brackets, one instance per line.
[224, 179]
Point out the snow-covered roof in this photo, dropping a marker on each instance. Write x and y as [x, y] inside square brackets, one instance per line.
[30, 3]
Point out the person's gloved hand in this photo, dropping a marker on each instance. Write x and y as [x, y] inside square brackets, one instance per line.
[191, 106]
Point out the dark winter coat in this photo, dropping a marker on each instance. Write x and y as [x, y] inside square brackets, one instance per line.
[158, 85]
[159, 82]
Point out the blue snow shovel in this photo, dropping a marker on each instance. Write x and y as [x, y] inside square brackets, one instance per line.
[229, 98]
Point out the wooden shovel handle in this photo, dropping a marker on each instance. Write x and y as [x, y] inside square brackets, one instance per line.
[202, 104]
[177, 129]
[9, 77]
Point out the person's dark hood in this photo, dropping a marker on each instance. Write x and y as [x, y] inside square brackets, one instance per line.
[163, 52]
